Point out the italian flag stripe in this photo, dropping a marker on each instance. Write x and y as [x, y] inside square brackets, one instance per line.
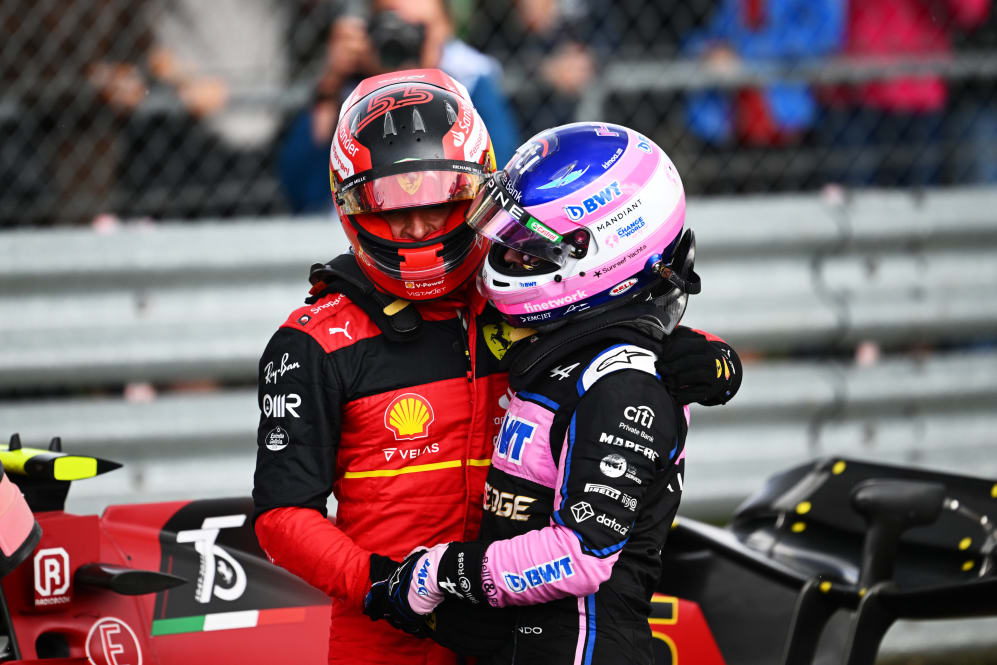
[179, 625]
[228, 620]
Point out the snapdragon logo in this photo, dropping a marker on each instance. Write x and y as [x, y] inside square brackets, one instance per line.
[557, 302]
[545, 573]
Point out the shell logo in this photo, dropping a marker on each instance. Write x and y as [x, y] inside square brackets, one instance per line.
[409, 416]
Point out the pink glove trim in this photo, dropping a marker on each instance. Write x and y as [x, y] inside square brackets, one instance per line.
[424, 591]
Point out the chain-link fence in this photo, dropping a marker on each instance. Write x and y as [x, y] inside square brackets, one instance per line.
[188, 108]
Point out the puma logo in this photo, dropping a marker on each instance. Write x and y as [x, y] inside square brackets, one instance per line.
[344, 330]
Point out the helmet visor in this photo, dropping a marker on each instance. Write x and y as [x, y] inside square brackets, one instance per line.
[497, 215]
[398, 186]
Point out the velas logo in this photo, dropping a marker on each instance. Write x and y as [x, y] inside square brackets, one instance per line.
[409, 416]
[410, 453]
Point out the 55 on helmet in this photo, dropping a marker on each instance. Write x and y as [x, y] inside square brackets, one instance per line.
[404, 140]
[584, 217]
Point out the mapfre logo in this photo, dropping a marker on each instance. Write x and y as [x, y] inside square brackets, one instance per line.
[409, 416]
[52, 578]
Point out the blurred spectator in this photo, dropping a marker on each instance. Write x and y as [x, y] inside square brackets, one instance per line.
[759, 32]
[210, 57]
[972, 124]
[888, 132]
[68, 80]
[400, 34]
[555, 51]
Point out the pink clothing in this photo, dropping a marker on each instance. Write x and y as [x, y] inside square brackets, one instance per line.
[881, 28]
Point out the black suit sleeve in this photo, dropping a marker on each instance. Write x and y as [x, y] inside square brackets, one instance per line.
[300, 402]
[622, 438]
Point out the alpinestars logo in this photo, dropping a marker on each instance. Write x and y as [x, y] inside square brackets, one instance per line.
[625, 356]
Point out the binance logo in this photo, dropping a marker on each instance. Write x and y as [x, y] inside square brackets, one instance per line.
[409, 416]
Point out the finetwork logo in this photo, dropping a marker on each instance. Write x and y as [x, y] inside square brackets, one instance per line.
[556, 302]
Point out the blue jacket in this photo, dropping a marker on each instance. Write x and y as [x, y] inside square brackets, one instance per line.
[791, 30]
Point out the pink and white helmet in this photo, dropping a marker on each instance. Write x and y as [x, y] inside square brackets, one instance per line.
[602, 208]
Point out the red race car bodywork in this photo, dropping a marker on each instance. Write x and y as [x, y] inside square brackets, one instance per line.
[185, 583]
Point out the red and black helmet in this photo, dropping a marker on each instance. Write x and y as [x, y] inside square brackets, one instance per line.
[408, 139]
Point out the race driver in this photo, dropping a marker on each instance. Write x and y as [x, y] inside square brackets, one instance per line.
[586, 474]
[386, 388]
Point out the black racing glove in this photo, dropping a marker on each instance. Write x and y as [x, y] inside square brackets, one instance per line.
[389, 580]
[471, 630]
[698, 369]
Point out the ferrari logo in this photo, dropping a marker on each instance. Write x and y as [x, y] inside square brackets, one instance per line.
[410, 182]
[497, 338]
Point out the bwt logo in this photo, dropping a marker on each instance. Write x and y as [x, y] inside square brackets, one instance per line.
[513, 437]
[594, 202]
[545, 573]
[642, 415]
[51, 572]
[422, 578]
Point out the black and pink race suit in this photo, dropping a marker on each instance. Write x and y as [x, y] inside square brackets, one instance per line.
[585, 480]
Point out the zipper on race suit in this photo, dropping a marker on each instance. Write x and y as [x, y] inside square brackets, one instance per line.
[462, 326]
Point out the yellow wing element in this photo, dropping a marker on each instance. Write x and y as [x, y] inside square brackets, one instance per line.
[51, 464]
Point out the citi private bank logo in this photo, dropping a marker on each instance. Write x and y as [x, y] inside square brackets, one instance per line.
[409, 417]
